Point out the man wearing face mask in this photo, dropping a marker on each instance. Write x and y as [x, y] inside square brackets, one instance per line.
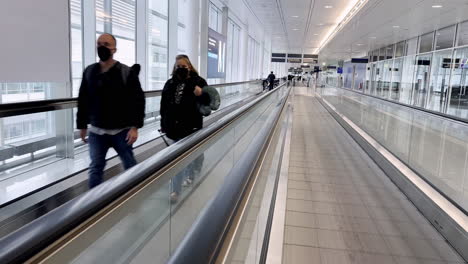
[112, 103]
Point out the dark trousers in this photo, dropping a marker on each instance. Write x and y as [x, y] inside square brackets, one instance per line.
[98, 147]
[271, 85]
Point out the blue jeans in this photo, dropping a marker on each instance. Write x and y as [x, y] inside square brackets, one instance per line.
[98, 147]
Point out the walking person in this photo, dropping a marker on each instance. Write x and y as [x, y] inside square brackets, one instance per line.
[112, 103]
[271, 79]
[180, 116]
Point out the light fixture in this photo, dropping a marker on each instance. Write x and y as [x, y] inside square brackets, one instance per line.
[320, 24]
[396, 26]
[295, 16]
[359, 44]
[328, 6]
[437, 6]
[315, 34]
[295, 29]
[347, 13]
[372, 37]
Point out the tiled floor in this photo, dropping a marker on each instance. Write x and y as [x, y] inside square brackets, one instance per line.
[342, 208]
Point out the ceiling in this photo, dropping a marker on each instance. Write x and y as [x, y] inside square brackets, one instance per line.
[298, 25]
[303, 25]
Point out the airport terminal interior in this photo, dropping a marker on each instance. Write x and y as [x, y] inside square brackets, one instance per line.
[263, 131]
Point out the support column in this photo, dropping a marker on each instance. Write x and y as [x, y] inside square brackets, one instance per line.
[193, 31]
[88, 31]
[204, 24]
[173, 34]
[142, 40]
[244, 38]
[108, 16]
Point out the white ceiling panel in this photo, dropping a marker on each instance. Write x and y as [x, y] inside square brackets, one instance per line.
[304, 24]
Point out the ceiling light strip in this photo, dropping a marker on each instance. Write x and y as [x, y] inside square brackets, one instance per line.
[309, 18]
[283, 21]
[354, 10]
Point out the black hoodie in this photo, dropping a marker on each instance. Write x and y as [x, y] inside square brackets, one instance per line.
[180, 116]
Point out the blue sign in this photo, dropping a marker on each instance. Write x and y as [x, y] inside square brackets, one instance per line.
[216, 55]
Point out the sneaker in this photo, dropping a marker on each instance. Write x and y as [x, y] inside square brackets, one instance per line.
[174, 197]
[187, 182]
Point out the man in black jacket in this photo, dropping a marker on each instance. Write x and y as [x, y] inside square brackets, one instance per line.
[112, 102]
[271, 80]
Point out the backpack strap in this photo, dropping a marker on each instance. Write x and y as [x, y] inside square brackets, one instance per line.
[125, 70]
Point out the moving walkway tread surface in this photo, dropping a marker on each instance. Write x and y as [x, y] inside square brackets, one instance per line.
[341, 207]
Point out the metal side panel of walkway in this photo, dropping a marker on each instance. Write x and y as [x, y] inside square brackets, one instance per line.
[341, 207]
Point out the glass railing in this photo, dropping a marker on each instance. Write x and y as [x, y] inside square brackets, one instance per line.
[38, 134]
[434, 146]
[146, 225]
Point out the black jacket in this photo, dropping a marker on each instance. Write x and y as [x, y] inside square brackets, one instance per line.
[180, 116]
[271, 77]
[108, 101]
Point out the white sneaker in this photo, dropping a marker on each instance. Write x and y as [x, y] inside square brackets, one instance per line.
[174, 197]
[187, 182]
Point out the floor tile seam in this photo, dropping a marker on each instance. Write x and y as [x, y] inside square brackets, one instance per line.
[441, 258]
[343, 185]
[360, 217]
[392, 255]
[368, 233]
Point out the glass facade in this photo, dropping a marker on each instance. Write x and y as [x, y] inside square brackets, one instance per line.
[142, 32]
[427, 71]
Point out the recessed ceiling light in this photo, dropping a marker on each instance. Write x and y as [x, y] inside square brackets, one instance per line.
[372, 37]
[315, 34]
[295, 29]
[328, 6]
[396, 26]
[437, 6]
[359, 44]
[320, 24]
[295, 16]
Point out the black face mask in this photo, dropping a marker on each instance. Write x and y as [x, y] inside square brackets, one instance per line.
[182, 73]
[103, 53]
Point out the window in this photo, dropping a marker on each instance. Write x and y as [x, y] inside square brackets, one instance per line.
[215, 18]
[382, 54]
[463, 34]
[233, 52]
[157, 44]
[182, 34]
[76, 45]
[459, 85]
[426, 42]
[400, 49]
[445, 38]
[412, 46]
[118, 18]
[390, 52]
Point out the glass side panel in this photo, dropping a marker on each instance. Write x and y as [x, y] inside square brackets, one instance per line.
[421, 82]
[440, 78]
[435, 147]
[458, 105]
[150, 224]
